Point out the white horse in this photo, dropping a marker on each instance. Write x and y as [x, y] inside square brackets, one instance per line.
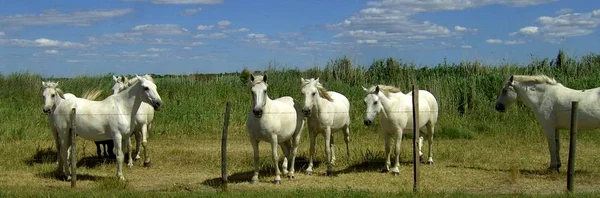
[143, 118]
[278, 121]
[397, 117]
[327, 112]
[551, 103]
[112, 118]
[53, 96]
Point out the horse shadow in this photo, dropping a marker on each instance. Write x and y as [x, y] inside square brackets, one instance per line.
[92, 162]
[43, 156]
[55, 174]
[265, 171]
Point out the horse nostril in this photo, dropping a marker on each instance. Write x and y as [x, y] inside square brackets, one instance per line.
[368, 122]
[257, 111]
[500, 108]
[306, 111]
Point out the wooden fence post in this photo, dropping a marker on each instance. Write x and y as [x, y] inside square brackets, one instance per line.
[73, 149]
[415, 101]
[572, 146]
[224, 148]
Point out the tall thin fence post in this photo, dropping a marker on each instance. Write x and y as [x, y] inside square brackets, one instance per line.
[73, 149]
[415, 101]
[572, 146]
[224, 148]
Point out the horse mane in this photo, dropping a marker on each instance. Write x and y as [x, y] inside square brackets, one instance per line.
[91, 94]
[386, 89]
[322, 91]
[50, 84]
[132, 81]
[539, 79]
[60, 92]
[257, 80]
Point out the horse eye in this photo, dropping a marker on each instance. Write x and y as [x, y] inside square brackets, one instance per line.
[52, 95]
[314, 93]
[375, 103]
[146, 88]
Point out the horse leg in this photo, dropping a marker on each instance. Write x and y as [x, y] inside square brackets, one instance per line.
[397, 142]
[255, 149]
[347, 140]
[332, 149]
[57, 144]
[63, 163]
[557, 141]
[275, 158]
[138, 142]
[328, 148]
[285, 147]
[552, 147]
[294, 150]
[147, 162]
[118, 150]
[313, 136]
[127, 141]
[420, 144]
[386, 138]
[98, 149]
[431, 129]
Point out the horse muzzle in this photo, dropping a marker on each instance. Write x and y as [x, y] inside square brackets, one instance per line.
[368, 122]
[500, 108]
[157, 105]
[306, 112]
[47, 111]
[258, 113]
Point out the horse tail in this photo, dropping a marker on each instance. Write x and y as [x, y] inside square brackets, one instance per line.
[91, 94]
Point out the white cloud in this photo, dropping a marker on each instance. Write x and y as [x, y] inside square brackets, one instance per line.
[370, 41]
[217, 35]
[187, 1]
[459, 28]
[392, 21]
[2, 34]
[41, 42]
[197, 43]
[52, 17]
[555, 29]
[205, 27]
[191, 11]
[527, 31]
[157, 49]
[187, 48]
[236, 30]
[51, 52]
[564, 11]
[506, 42]
[131, 38]
[466, 46]
[224, 24]
[160, 29]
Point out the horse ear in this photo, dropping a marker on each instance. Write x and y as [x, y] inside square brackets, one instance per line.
[302, 79]
[365, 89]
[43, 84]
[376, 89]
[511, 79]
[57, 83]
[265, 78]
[317, 80]
[252, 78]
[115, 78]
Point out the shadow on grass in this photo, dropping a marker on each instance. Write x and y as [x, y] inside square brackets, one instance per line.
[267, 170]
[531, 172]
[44, 156]
[80, 177]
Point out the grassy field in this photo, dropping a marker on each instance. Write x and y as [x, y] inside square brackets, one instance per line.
[478, 151]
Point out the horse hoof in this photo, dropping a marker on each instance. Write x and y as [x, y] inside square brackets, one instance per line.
[147, 164]
[430, 162]
[395, 173]
[329, 173]
[309, 172]
[291, 177]
[385, 171]
[254, 182]
[130, 165]
[277, 182]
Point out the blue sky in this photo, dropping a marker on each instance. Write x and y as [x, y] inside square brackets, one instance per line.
[70, 38]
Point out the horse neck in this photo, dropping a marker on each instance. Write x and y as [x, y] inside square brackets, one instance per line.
[130, 99]
[532, 98]
[57, 101]
[388, 102]
[268, 102]
[320, 103]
